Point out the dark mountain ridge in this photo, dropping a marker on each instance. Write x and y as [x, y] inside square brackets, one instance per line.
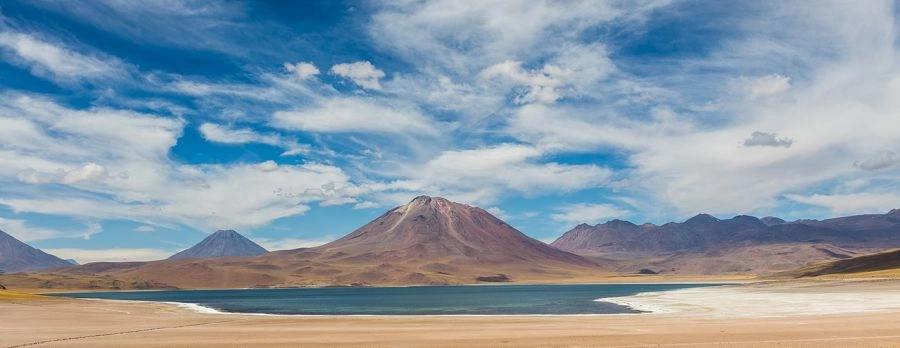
[697, 243]
[16, 256]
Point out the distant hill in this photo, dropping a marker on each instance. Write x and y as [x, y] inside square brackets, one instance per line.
[878, 264]
[428, 241]
[222, 243]
[742, 244]
[16, 256]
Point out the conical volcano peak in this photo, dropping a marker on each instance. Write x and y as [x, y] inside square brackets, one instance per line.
[434, 228]
[439, 204]
[429, 200]
[220, 244]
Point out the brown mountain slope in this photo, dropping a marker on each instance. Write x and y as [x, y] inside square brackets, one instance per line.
[435, 241]
[429, 229]
[885, 264]
[427, 241]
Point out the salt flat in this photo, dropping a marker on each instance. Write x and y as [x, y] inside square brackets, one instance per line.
[771, 299]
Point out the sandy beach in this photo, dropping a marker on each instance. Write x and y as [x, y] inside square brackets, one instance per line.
[786, 314]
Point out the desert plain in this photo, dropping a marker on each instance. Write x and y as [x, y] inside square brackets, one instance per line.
[813, 313]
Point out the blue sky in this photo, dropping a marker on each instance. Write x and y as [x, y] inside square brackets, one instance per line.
[129, 130]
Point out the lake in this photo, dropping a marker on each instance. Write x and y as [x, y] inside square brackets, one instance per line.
[415, 300]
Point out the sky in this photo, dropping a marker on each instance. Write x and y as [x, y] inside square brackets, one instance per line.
[130, 130]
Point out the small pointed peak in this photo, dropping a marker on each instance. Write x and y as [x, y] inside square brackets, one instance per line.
[701, 218]
[582, 226]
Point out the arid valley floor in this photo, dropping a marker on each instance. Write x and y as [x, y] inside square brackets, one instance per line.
[820, 313]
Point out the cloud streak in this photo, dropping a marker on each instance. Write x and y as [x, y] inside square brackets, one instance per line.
[56, 62]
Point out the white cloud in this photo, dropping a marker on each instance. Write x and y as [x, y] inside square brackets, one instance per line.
[472, 175]
[854, 203]
[548, 240]
[84, 256]
[366, 205]
[672, 126]
[267, 166]
[89, 171]
[23, 231]
[303, 70]
[145, 228]
[767, 139]
[454, 35]
[293, 243]
[840, 104]
[588, 213]
[228, 135]
[355, 115]
[208, 197]
[497, 212]
[542, 84]
[55, 62]
[574, 71]
[766, 85]
[363, 74]
[153, 189]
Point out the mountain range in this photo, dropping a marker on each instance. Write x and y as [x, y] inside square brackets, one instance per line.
[427, 241]
[704, 244]
[432, 241]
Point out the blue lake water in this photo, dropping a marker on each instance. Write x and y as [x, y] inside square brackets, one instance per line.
[417, 300]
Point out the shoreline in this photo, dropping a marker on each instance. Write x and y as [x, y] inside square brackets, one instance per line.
[204, 309]
[609, 281]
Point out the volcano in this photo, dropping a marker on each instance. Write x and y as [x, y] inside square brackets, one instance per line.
[431, 229]
[222, 243]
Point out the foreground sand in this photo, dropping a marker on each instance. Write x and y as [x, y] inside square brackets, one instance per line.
[809, 314]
